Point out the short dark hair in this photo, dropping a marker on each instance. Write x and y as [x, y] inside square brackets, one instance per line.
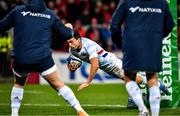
[77, 35]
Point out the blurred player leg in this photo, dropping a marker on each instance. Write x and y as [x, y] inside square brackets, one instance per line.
[154, 97]
[163, 88]
[142, 79]
[17, 92]
[135, 92]
[52, 76]
[139, 80]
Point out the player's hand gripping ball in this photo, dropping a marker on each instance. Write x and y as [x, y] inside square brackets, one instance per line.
[73, 63]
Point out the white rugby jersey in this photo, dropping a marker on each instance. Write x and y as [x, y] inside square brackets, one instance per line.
[91, 49]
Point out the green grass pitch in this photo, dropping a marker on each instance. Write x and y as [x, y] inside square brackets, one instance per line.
[97, 99]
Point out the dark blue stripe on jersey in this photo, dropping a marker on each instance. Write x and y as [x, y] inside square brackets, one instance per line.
[105, 55]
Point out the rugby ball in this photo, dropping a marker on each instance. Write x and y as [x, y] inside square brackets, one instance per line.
[74, 60]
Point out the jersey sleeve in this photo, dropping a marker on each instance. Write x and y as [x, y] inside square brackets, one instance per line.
[91, 51]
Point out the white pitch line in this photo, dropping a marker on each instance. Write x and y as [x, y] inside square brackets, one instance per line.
[26, 92]
[86, 105]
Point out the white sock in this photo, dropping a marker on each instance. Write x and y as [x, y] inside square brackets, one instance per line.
[135, 93]
[69, 96]
[16, 98]
[154, 100]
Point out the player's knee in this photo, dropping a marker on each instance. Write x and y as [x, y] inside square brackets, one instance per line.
[20, 77]
[130, 74]
[57, 84]
[20, 81]
[150, 75]
[152, 78]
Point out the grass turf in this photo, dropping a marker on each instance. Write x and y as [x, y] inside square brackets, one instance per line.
[102, 99]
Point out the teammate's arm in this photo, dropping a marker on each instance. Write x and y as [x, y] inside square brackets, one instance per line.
[62, 30]
[117, 20]
[168, 22]
[7, 22]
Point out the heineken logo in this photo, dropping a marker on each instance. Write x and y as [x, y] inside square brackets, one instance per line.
[167, 65]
